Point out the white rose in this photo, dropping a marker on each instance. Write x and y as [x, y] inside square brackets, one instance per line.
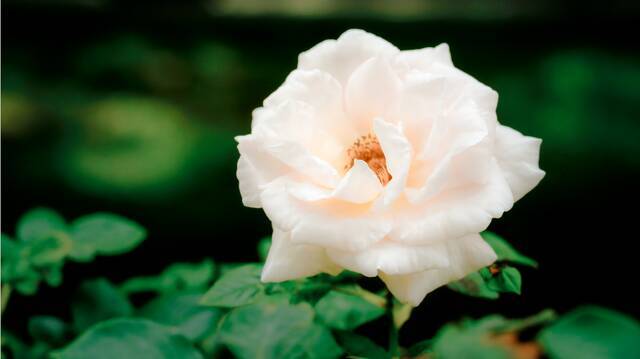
[384, 162]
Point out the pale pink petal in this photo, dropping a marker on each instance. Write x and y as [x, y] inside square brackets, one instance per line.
[518, 158]
[466, 255]
[330, 224]
[340, 57]
[455, 213]
[359, 185]
[392, 258]
[397, 153]
[423, 59]
[371, 90]
[287, 260]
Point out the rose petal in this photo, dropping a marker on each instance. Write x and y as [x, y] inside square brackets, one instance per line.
[287, 261]
[328, 224]
[392, 258]
[466, 255]
[424, 59]
[455, 213]
[518, 158]
[371, 90]
[359, 185]
[397, 153]
[340, 57]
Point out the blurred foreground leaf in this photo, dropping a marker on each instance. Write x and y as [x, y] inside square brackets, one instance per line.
[359, 346]
[347, 310]
[178, 276]
[236, 287]
[129, 338]
[592, 333]
[274, 328]
[182, 311]
[104, 233]
[98, 300]
[50, 330]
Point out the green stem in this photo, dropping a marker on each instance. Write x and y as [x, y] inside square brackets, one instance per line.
[393, 330]
[6, 293]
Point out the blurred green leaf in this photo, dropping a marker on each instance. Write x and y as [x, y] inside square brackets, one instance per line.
[592, 332]
[263, 248]
[104, 234]
[469, 340]
[507, 280]
[178, 276]
[473, 285]
[48, 329]
[236, 287]
[359, 346]
[49, 250]
[274, 328]
[97, 300]
[40, 223]
[346, 311]
[129, 338]
[182, 311]
[505, 251]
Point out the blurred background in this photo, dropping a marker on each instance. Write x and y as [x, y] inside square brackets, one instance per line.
[132, 107]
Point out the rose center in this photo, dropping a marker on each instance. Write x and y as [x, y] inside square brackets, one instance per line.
[367, 148]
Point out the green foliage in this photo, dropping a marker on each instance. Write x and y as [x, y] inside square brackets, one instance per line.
[596, 332]
[105, 234]
[275, 328]
[238, 286]
[50, 330]
[178, 276]
[98, 300]
[360, 346]
[505, 252]
[499, 278]
[182, 311]
[345, 310]
[44, 242]
[263, 248]
[129, 338]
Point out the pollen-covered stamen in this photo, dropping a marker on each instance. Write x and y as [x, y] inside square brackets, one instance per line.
[367, 148]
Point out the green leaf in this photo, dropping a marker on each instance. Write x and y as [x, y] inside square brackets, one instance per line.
[359, 346]
[238, 286]
[50, 330]
[507, 280]
[39, 223]
[473, 285]
[471, 339]
[129, 338]
[178, 276]
[104, 234]
[346, 311]
[274, 328]
[505, 251]
[592, 332]
[182, 311]
[98, 300]
[263, 248]
[49, 250]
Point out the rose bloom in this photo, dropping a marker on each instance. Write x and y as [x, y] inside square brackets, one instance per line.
[384, 162]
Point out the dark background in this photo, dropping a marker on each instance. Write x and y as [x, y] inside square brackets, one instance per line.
[131, 107]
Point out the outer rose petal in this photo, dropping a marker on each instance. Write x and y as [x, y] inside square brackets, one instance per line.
[466, 255]
[330, 225]
[249, 180]
[288, 260]
[424, 59]
[455, 213]
[340, 57]
[392, 258]
[518, 157]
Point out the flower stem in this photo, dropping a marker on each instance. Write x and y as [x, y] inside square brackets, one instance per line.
[393, 330]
